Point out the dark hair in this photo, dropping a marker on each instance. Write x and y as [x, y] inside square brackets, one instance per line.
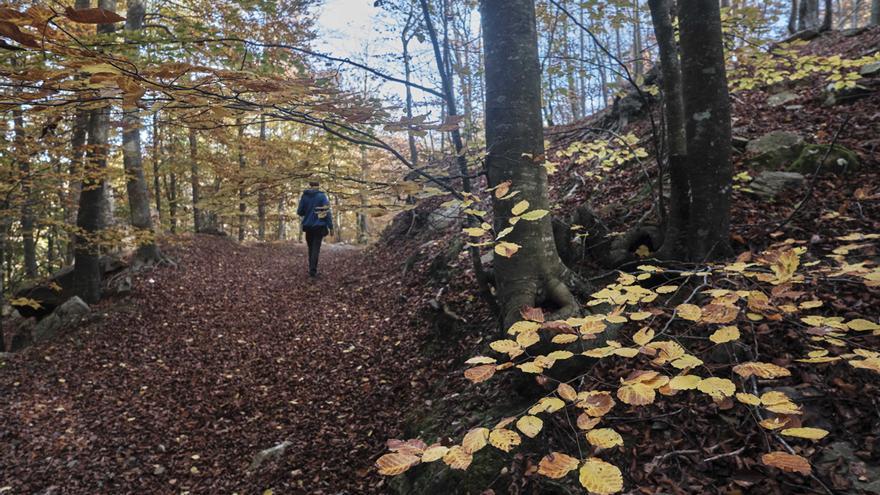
[314, 183]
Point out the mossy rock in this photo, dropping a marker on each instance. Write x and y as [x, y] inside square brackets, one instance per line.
[774, 150]
[840, 160]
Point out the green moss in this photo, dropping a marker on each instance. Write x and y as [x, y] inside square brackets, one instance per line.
[840, 160]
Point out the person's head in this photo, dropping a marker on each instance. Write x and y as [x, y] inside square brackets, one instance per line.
[314, 184]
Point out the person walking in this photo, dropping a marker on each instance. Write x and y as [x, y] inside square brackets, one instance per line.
[317, 222]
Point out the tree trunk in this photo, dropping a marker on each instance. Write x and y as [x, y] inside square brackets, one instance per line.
[91, 217]
[828, 20]
[875, 12]
[261, 194]
[195, 185]
[29, 245]
[674, 243]
[157, 149]
[132, 157]
[514, 135]
[241, 192]
[707, 107]
[363, 235]
[637, 41]
[793, 17]
[808, 15]
[281, 232]
[171, 188]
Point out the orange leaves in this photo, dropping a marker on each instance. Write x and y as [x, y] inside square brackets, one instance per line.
[480, 373]
[787, 462]
[458, 458]
[92, 16]
[556, 465]
[595, 403]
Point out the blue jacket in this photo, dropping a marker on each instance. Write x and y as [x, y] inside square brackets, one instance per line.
[314, 208]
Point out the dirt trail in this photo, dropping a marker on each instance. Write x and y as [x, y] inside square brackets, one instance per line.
[176, 388]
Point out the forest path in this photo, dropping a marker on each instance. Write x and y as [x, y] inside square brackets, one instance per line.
[176, 388]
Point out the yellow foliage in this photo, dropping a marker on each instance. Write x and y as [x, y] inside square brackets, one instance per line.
[557, 465]
[600, 477]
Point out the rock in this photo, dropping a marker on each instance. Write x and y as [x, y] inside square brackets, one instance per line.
[487, 258]
[845, 95]
[68, 314]
[738, 142]
[272, 453]
[5, 356]
[870, 70]
[768, 184]
[16, 331]
[841, 456]
[443, 218]
[840, 160]
[54, 291]
[781, 98]
[774, 150]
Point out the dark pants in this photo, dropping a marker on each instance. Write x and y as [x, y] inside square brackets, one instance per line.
[314, 236]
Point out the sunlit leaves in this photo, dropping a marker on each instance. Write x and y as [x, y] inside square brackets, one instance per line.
[725, 334]
[506, 249]
[475, 439]
[684, 382]
[761, 370]
[600, 477]
[604, 438]
[530, 426]
[787, 462]
[520, 207]
[557, 465]
[396, 463]
[717, 388]
[689, 312]
[504, 439]
[434, 453]
[808, 433]
[458, 458]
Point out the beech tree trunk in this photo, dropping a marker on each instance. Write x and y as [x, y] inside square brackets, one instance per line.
[261, 194]
[875, 12]
[793, 17]
[195, 185]
[808, 15]
[674, 243]
[157, 148]
[515, 139]
[707, 109]
[29, 245]
[241, 192]
[132, 157]
[91, 216]
[828, 19]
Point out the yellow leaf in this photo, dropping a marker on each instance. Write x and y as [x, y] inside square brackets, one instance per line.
[687, 361]
[637, 394]
[519, 208]
[523, 326]
[564, 338]
[762, 370]
[684, 382]
[689, 312]
[458, 458]
[502, 189]
[643, 336]
[862, 325]
[475, 439]
[535, 215]
[527, 338]
[748, 399]
[557, 465]
[474, 231]
[718, 388]
[547, 404]
[504, 346]
[506, 249]
[481, 360]
[787, 462]
[666, 289]
[567, 392]
[530, 426]
[530, 367]
[808, 433]
[604, 438]
[725, 334]
[434, 453]
[504, 439]
[640, 315]
[480, 373]
[395, 463]
[627, 352]
[773, 423]
[600, 477]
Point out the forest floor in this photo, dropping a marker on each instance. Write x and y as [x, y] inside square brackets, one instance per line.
[176, 388]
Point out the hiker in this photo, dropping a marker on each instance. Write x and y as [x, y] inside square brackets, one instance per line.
[314, 208]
